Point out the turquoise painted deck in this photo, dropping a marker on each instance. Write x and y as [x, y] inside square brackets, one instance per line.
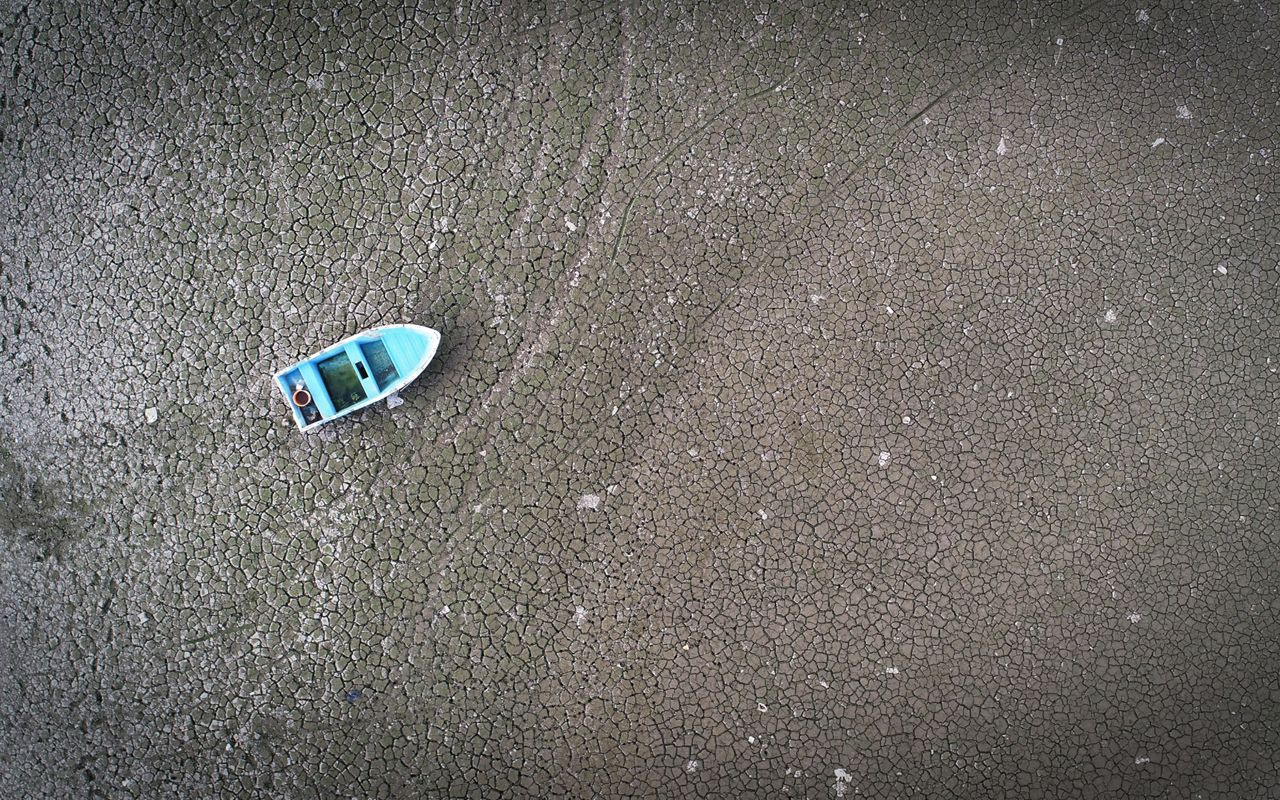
[357, 372]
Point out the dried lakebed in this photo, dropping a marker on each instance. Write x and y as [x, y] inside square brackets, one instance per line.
[833, 401]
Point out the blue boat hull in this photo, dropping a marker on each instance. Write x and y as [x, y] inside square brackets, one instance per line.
[356, 372]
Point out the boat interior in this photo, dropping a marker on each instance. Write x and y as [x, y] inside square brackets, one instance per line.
[344, 377]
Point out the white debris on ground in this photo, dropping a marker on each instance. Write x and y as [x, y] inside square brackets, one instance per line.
[843, 779]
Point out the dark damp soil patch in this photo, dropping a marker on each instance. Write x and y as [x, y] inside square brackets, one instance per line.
[38, 511]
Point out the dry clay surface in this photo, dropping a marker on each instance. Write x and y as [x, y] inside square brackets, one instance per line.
[835, 400]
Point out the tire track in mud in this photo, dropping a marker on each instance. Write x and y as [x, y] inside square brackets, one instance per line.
[885, 145]
[471, 426]
[554, 301]
[553, 313]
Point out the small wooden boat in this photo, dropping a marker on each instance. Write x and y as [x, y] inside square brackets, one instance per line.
[356, 372]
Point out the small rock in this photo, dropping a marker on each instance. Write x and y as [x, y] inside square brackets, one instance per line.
[152, 414]
[394, 401]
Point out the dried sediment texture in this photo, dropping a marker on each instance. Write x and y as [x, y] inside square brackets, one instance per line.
[835, 400]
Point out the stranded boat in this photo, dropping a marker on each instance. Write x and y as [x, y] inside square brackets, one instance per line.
[356, 372]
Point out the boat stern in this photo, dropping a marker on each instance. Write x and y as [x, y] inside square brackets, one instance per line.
[297, 396]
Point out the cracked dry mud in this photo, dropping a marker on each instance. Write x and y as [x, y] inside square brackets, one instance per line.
[835, 400]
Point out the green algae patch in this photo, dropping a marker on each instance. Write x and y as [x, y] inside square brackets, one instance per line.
[38, 511]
